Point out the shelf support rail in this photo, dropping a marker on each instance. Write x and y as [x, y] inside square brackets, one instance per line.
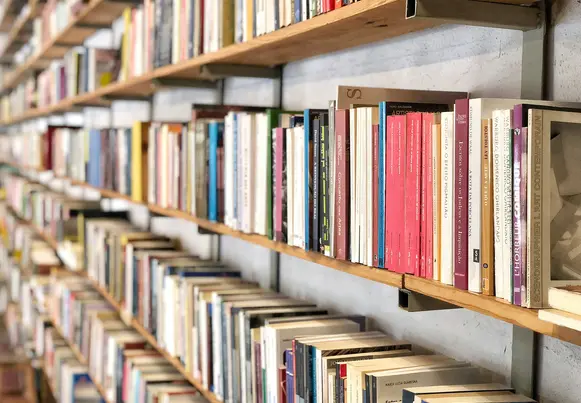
[411, 301]
[479, 13]
[524, 359]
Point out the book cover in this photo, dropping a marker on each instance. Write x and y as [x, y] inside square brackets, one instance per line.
[436, 198]
[427, 205]
[325, 192]
[389, 198]
[342, 184]
[461, 196]
[139, 166]
[317, 156]
[487, 212]
[216, 131]
[412, 193]
[381, 186]
[375, 196]
[280, 180]
[447, 199]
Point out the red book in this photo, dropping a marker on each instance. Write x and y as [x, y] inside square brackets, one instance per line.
[342, 183]
[279, 164]
[375, 190]
[282, 384]
[427, 268]
[328, 5]
[461, 195]
[338, 3]
[389, 202]
[47, 149]
[398, 194]
[412, 192]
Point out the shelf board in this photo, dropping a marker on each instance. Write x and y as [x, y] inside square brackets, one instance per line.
[81, 359]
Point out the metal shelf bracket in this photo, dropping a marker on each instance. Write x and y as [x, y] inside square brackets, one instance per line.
[480, 13]
[239, 70]
[411, 301]
[168, 82]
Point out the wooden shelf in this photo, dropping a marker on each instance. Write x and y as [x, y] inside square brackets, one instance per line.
[81, 359]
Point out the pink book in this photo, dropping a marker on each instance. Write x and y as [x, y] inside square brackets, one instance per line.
[399, 193]
[461, 195]
[413, 192]
[375, 188]
[389, 129]
[427, 264]
[279, 139]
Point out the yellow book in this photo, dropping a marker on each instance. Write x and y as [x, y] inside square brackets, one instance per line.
[125, 46]
[249, 20]
[227, 23]
[139, 169]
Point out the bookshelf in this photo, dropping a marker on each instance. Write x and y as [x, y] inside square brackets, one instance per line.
[81, 359]
[20, 31]
[373, 20]
[486, 305]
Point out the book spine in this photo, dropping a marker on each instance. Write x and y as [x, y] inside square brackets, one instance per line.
[426, 238]
[317, 156]
[381, 220]
[474, 196]
[487, 239]
[332, 174]
[535, 209]
[324, 212]
[338, 3]
[307, 175]
[523, 214]
[399, 195]
[517, 232]
[213, 172]
[447, 199]
[436, 200]
[342, 185]
[389, 203]
[461, 195]
[412, 192]
[375, 192]
[507, 205]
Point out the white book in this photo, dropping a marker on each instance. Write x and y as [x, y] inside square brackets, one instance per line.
[290, 184]
[228, 169]
[354, 233]
[216, 25]
[304, 10]
[299, 190]
[207, 19]
[447, 199]
[217, 345]
[507, 205]
[361, 183]
[261, 173]
[498, 172]
[247, 172]
[139, 28]
[369, 186]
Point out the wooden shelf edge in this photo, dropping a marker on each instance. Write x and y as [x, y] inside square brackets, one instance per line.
[486, 305]
[81, 359]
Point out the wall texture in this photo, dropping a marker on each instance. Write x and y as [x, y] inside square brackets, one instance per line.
[485, 62]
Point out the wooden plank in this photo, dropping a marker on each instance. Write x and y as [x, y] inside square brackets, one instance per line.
[490, 306]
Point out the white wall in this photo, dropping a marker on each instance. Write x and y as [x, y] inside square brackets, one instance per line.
[485, 62]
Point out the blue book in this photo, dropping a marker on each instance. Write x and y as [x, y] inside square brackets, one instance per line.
[128, 162]
[290, 376]
[216, 136]
[94, 165]
[381, 185]
[298, 11]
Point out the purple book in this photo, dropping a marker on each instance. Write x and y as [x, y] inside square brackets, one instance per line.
[461, 195]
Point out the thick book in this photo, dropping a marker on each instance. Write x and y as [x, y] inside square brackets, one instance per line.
[487, 212]
[411, 393]
[342, 184]
[461, 196]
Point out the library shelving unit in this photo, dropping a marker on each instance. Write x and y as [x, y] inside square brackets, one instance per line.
[360, 23]
[371, 20]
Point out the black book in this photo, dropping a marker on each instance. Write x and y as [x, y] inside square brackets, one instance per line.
[325, 203]
[316, 183]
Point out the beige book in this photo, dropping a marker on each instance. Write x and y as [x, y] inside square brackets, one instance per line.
[410, 394]
[429, 396]
[357, 370]
[348, 95]
[566, 299]
[388, 385]
[506, 398]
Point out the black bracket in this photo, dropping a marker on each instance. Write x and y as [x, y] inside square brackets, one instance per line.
[411, 301]
[240, 70]
[170, 82]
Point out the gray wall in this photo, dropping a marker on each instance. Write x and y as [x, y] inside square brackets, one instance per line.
[485, 62]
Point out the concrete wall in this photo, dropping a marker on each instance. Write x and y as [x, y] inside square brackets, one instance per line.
[485, 62]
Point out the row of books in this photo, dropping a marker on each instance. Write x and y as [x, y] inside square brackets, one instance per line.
[249, 344]
[444, 197]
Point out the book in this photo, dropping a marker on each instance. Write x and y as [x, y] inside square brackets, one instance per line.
[410, 394]
[487, 212]
[461, 211]
[446, 203]
[342, 185]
